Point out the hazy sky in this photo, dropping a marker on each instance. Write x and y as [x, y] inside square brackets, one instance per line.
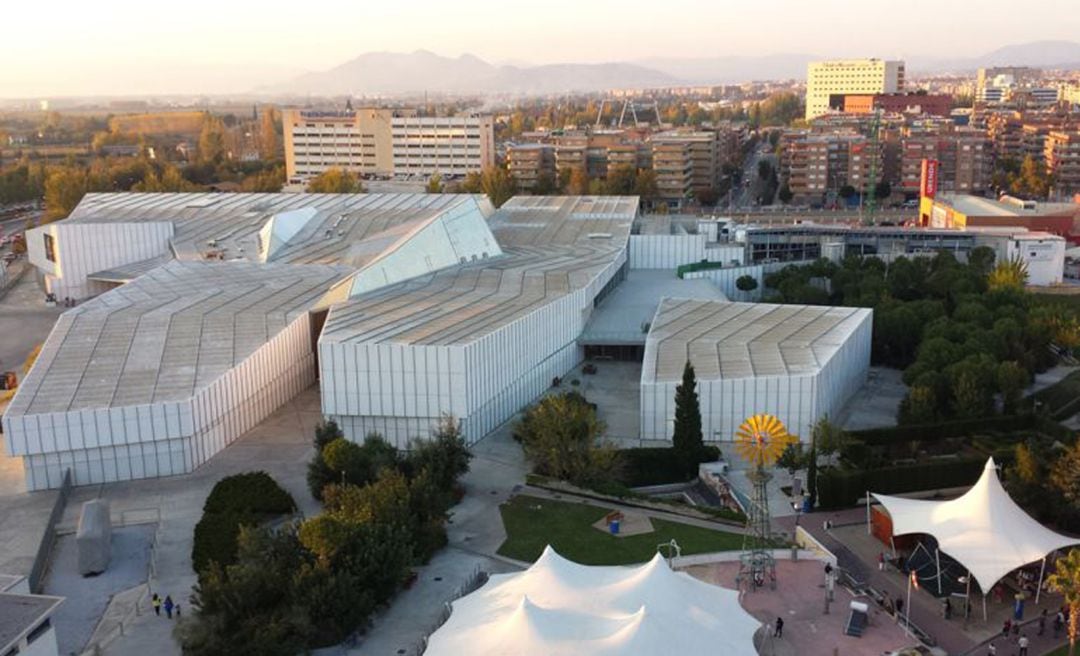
[76, 47]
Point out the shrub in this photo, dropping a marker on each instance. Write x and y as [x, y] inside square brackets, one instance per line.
[661, 465]
[841, 488]
[252, 492]
[235, 501]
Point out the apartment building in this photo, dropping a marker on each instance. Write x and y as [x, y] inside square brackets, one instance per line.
[529, 163]
[892, 103]
[673, 165]
[1062, 157]
[385, 141]
[965, 159]
[704, 152]
[851, 76]
[814, 164]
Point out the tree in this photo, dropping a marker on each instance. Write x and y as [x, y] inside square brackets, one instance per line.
[1010, 274]
[785, 194]
[981, 259]
[645, 185]
[269, 142]
[829, 439]
[1032, 180]
[811, 474]
[919, 406]
[882, 190]
[64, 188]
[211, 147]
[1065, 474]
[847, 192]
[621, 180]
[686, 438]
[578, 184]
[560, 436]
[1066, 580]
[335, 181]
[1012, 378]
[434, 184]
[546, 184]
[792, 459]
[746, 284]
[170, 180]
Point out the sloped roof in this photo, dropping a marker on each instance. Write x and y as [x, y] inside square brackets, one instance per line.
[984, 530]
[558, 607]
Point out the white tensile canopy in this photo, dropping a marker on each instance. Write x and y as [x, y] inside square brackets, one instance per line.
[560, 608]
[984, 530]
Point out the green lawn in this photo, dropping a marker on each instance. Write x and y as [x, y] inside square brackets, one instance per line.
[532, 523]
[1060, 651]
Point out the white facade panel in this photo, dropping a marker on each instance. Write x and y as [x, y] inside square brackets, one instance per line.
[725, 279]
[666, 251]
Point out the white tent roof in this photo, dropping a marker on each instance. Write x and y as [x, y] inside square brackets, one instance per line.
[558, 607]
[984, 530]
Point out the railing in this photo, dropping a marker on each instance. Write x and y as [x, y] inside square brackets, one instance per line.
[48, 539]
[477, 578]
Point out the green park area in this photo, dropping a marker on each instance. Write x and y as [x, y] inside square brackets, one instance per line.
[532, 523]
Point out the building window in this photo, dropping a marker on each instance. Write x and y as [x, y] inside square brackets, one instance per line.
[50, 248]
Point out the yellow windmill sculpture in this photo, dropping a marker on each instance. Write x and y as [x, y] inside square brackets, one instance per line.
[760, 440]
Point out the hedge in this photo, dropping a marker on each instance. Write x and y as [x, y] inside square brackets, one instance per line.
[235, 501]
[703, 265]
[841, 488]
[660, 465]
[957, 428]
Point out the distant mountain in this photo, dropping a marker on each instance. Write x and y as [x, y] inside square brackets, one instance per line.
[734, 68]
[390, 73]
[400, 73]
[1040, 54]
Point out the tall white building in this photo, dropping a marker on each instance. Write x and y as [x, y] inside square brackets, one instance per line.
[849, 76]
[453, 145]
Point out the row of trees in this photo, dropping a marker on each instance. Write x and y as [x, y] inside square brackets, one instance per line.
[500, 185]
[313, 583]
[966, 334]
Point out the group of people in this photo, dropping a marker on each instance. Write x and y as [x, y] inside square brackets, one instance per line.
[1010, 627]
[165, 604]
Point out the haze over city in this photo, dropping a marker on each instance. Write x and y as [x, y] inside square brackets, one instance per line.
[129, 47]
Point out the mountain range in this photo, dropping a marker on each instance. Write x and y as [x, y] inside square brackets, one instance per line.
[387, 73]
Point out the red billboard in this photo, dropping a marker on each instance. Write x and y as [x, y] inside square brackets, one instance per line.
[928, 185]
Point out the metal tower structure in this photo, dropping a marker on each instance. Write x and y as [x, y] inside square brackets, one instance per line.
[869, 200]
[760, 440]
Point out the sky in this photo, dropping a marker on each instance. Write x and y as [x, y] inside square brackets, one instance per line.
[121, 47]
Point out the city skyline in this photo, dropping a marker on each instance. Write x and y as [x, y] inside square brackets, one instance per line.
[114, 48]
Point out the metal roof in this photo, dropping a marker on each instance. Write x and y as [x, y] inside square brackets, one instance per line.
[20, 613]
[744, 340]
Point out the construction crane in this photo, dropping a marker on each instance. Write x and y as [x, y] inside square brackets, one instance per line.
[869, 199]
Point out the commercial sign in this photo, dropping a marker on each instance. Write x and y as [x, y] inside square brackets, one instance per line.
[928, 185]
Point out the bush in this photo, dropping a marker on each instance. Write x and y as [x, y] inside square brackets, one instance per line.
[942, 429]
[242, 499]
[661, 465]
[252, 492]
[841, 488]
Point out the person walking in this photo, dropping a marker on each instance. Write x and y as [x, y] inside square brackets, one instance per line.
[779, 633]
[881, 561]
[1059, 622]
[1022, 643]
[177, 609]
[155, 601]
[168, 606]
[1005, 626]
[1042, 622]
[991, 650]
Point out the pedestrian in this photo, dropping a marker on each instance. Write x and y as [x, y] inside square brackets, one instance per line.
[1005, 626]
[1023, 644]
[156, 602]
[899, 606]
[991, 650]
[168, 606]
[177, 609]
[1042, 622]
[779, 633]
[948, 609]
[1059, 622]
[881, 561]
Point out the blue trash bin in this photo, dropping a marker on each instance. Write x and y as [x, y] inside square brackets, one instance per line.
[614, 526]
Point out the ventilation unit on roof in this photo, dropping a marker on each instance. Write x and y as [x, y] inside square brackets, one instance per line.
[599, 235]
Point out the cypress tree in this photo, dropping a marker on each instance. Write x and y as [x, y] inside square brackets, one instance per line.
[687, 440]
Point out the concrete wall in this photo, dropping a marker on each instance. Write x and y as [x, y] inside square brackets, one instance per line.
[165, 438]
[725, 280]
[666, 251]
[401, 390]
[85, 248]
[798, 401]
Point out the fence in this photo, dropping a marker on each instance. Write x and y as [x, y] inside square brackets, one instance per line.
[44, 552]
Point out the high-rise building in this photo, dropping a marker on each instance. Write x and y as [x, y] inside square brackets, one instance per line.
[849, 76]
[383, 141]
[673, 165]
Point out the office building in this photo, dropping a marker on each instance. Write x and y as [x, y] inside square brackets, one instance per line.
[384, 141]
[853, 76]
